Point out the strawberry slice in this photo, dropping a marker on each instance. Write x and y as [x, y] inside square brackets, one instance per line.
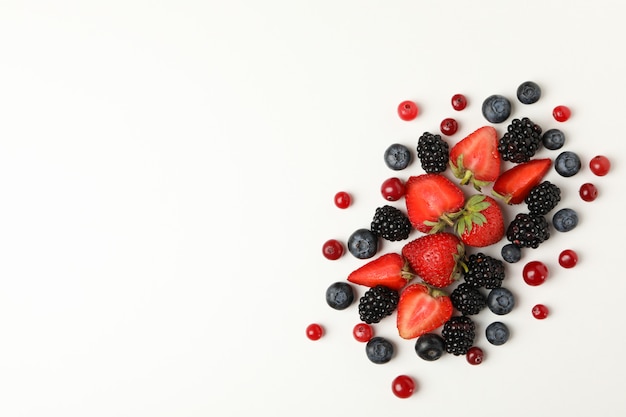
[514, 185]
[390, 270]
[482, 222]
[432, 202]
[422, 309]
[475, 159]
[436, 258]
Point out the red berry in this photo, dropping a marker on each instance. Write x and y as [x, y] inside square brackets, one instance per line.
[407, 110]
[449, 126]
[314, 331]
[392, 189]
[475, 355]
[362, 332]
[403, 386]
[332, 249]
[535, 273]
[588, 192]
[600, 165]
[568, 258]
[459, 102]
[540, 312]
[561, 113]
[342, 200]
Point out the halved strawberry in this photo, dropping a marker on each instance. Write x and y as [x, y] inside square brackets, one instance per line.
[482, 222]
[432, 202]
[436, 258]
[422, 309]
[390, 270]
[476, 158]
[515, 184]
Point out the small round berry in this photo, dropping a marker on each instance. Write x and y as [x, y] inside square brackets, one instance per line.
[343, 200]
[332, 249]
[553, 139]
[397, 156]
[339, 295]
[528, 92]
[449, 126]
[403, 386]
[511, 253]
[497, 333]
[362, 332]
[430, 346]
[561, 113]
[568, 258]
[314, 331]
[567, 164]
[363, 244]
[407, 110]
[535, 273]
[588, 192]
[500, 301]
[600, 165]
[379, 350]
[565, 220]
[496, 108]
[459, 102]
[540, 311]
[475, 355]
[392, 189]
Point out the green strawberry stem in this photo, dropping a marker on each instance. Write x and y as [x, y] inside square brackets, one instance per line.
[467, 177]
[406, 272]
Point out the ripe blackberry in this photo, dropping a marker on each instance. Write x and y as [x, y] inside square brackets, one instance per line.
[467, 299]
[528, 230]
[391, 223]
[484, 271]
[433, 153]
[458, 335]
[521, 141]
[543, 198]
[377, 303]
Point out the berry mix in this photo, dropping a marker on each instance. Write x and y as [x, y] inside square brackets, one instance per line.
[442, 276]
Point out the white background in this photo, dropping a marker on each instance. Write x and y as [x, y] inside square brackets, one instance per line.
[166, 180]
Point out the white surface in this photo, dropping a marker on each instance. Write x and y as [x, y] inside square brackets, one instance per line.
[167, 172]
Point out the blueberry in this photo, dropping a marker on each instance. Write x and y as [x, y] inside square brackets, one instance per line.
[429, 346]
[511, 253]
[497, 333]
[528, 92]
[363, 244]
[397, 157]
[565, 220]
[567, 164]
[496, 108]
[553, 139]
[379, 350]
[339, 295]
[500, 301]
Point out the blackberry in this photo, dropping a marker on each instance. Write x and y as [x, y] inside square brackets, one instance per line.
[391, 223]
[377, 303]
[528, 230]
[458, 334]
[484, 271]
[433, 153]
[521, 141]
[543, 198]
[468, 299]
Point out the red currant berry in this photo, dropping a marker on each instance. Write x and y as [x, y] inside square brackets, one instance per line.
[475, 355]
[314, 331]
[535, 273]
[561, 113]
[392, 189]
[568, 258]
[600, 165]
[540, 312]
[449, 126]
[332, 249]
[403, 386]
[588, 192]
[362, 332]
[459, 102]
[407, 110]
[342, 200]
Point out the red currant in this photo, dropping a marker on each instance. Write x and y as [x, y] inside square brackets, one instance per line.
[403, 386]
[392, 189]
[540, 311]
[314, 331]
[407, 110]
[362, 332]
[588, 192]
[332, 249]
[449, 126]
[459, 102]
[342, 200]
[535, 273]
[475, 355]
[568, 258]
[561, 113]
[600, 165]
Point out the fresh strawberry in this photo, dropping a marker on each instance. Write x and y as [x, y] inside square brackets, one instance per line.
[482, 222]
[422, 309]
[476, 158]
[436, 258]
[390, 270]
[515, 184]
[432, 202]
